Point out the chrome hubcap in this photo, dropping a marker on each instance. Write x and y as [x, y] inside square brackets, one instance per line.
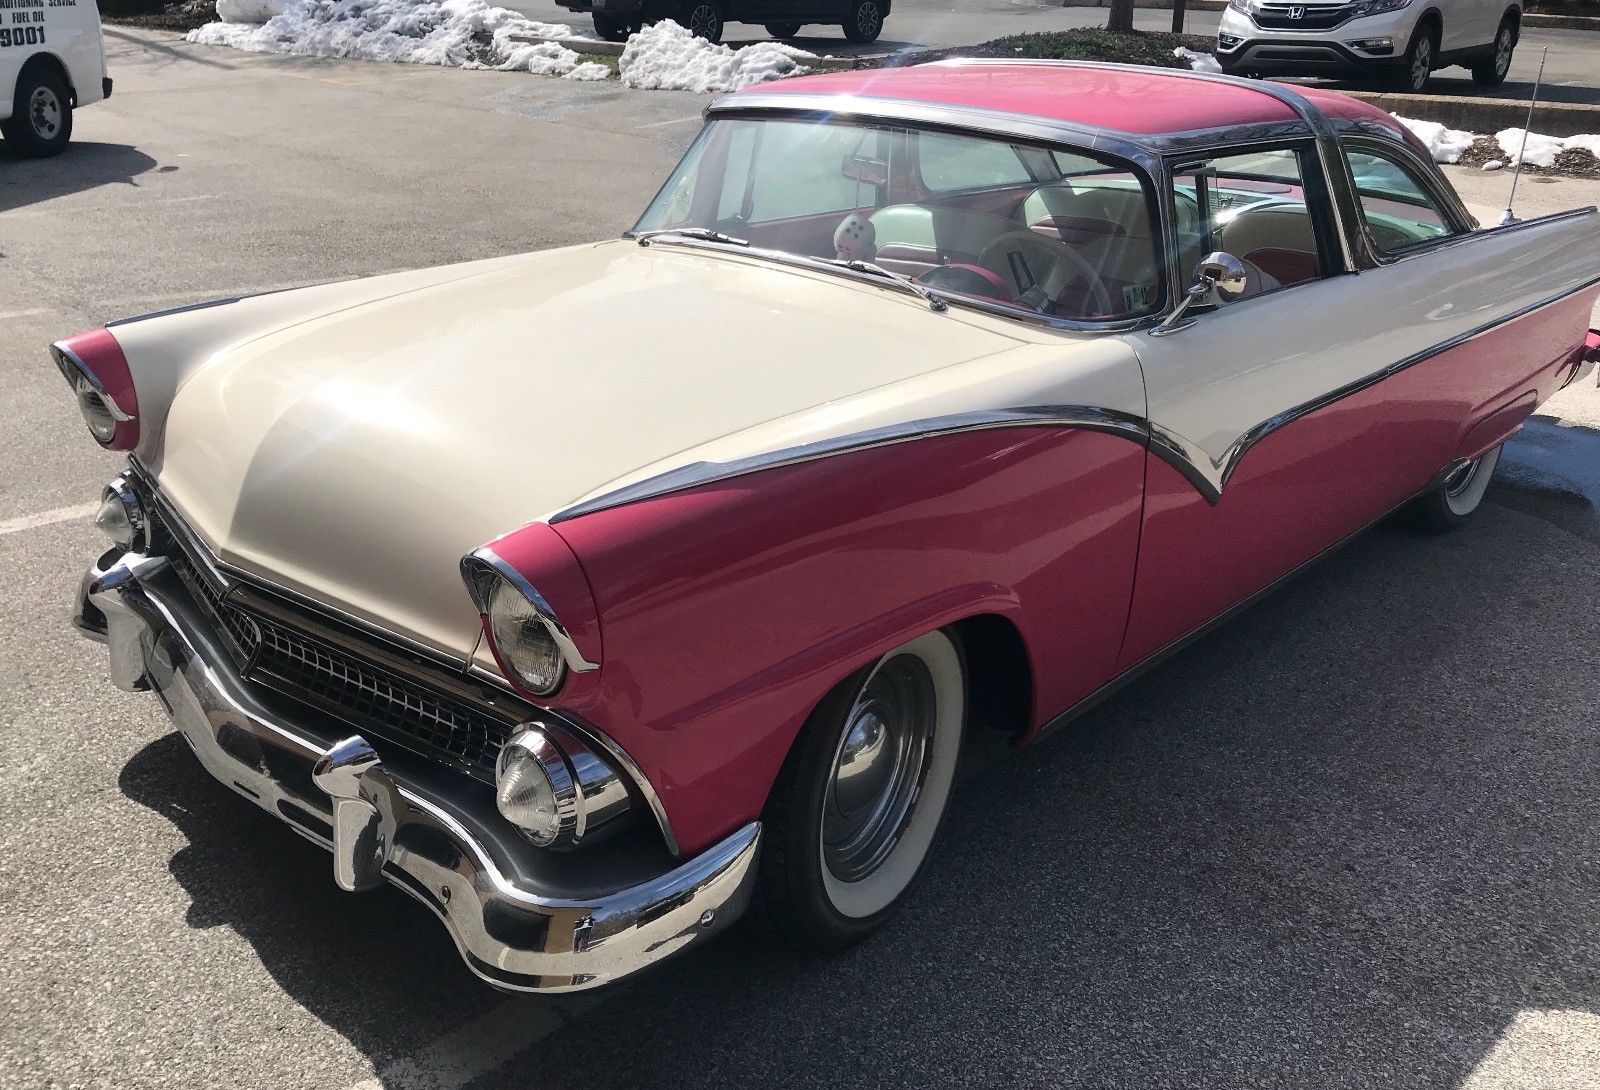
[44, 111]
[878, 768]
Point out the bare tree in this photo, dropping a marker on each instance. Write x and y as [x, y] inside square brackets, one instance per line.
[1121, 18]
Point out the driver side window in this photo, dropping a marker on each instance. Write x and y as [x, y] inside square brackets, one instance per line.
[1254, 207]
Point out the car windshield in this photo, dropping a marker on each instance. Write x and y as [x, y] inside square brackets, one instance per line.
[1047, 231]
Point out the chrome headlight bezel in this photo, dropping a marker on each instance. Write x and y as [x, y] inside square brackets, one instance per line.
[121, 516]
[582, 793]
[492, 582]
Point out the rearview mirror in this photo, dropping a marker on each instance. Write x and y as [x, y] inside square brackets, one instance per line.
[865, 169]
[1219, 277]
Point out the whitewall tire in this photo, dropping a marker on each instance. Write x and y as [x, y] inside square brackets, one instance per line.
[860, 799]
[1454, 500]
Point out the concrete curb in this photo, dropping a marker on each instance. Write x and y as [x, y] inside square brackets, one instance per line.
[1561, 22]
[1486, 115]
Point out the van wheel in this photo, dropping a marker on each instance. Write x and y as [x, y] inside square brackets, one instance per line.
[859, 800]
[1454, 500]
[783, 30]
[41, 114]
[1491, 71]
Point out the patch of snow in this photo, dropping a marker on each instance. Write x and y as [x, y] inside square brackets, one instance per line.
[1541, 150]
[1445, 145]
[455, 33]
[548, 59]
[1494, 164]
[248, 11]
[1198, 61]
[666, 57]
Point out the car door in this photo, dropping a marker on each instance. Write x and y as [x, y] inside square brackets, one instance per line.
[1296, 416]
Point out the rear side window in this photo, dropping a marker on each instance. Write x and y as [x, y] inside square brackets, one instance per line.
[1399, 209]
[959, 162]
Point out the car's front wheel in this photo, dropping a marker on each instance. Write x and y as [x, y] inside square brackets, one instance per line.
[1491, 71]
[40, 124]
[865, 21]
[859, 800]
[1457, 497]
[704, 19]
[1421, 57]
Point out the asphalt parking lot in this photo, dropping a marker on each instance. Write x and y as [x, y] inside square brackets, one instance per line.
[1346, 841]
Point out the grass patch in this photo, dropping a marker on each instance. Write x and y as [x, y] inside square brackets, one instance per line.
[1146, 47]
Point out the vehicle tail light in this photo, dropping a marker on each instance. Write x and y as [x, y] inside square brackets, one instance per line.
[97, 371]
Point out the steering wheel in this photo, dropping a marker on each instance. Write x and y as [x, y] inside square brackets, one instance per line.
[1026, 245]
[967, 279]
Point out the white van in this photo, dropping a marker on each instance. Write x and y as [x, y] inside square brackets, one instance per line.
[52, 60]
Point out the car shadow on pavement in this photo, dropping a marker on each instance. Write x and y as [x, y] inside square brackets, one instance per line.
[1343, 841]
[80, 167]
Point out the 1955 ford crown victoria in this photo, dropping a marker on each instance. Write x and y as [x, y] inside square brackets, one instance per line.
[585, 594]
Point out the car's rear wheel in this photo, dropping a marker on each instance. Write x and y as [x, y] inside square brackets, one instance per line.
[1454, 500]
[40, 124]
[1491, 71]
[858, 803]
[783, 30]
[704, 19]
[865, 21]
[613, 29]
[1421, 56]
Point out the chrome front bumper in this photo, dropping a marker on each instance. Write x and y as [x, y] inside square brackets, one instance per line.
[385, 825]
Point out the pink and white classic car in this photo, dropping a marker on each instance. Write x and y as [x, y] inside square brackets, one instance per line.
[588, 595]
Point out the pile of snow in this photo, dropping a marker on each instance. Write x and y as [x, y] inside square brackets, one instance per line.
[1445, 145]
[248, 11]
[1198, 61]
[1541, 150]
[455, 33]
[666, 57]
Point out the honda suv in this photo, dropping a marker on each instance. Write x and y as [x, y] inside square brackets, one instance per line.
[1399, 42]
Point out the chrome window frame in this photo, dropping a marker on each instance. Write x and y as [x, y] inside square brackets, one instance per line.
[1434, 185]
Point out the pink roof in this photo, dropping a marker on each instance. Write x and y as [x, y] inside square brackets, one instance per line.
[1146, 101]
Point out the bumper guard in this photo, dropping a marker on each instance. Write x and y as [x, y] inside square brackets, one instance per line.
[510, 932]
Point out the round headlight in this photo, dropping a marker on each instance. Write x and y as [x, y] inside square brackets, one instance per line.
[121, 516]
[534, 789]
[96, 413]
[522, 635]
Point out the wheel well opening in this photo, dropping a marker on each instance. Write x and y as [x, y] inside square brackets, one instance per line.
[999, 676]
[1432, 20]
[1514, 17]
[51, 63]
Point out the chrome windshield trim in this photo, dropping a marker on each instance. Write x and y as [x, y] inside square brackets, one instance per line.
[1087, 417]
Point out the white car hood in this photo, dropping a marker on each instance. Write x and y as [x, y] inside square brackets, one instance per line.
[355, 455]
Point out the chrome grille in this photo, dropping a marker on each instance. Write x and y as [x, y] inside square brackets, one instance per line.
[1302, 16]
[314, 672]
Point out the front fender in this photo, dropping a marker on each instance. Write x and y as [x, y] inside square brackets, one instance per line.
[730, 609]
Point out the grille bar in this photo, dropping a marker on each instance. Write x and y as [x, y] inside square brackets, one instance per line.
[314, 672]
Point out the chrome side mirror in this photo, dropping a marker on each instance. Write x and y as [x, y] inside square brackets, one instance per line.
[1219, 276]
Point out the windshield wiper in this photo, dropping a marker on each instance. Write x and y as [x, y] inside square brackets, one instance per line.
[935, 302]
[704, 234]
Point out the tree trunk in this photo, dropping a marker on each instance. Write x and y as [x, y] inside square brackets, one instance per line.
[1178, 7]
[1121, 18]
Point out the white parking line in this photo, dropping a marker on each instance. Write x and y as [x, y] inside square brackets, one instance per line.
[462, 1055]
[46, 518]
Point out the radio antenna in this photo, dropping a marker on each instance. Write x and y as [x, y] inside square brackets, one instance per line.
[1510, 217]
